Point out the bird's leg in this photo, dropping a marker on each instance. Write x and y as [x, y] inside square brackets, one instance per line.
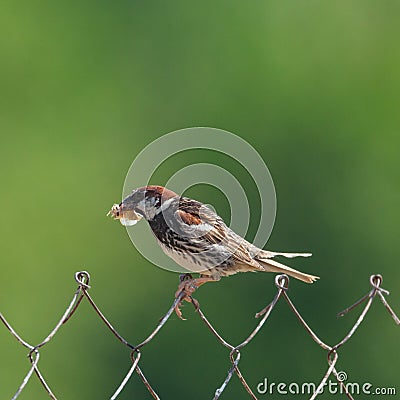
[188, 286]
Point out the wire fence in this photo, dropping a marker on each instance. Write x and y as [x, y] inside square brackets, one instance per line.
[282, 284]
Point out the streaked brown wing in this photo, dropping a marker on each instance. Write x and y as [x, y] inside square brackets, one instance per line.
[213, 230]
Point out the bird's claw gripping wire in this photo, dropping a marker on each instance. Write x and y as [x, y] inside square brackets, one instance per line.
[185, 290]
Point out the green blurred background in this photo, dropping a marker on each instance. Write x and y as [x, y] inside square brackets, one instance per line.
[85, 85]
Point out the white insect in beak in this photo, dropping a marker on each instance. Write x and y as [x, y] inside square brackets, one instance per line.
[127, 218]
[128, 222]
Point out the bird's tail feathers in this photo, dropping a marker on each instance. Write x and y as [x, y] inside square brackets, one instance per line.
[271, 254]
[274, 266]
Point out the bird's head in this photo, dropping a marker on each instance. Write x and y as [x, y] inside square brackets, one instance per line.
[145, 202]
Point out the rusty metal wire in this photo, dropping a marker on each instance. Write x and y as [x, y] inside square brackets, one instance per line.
[282, 284]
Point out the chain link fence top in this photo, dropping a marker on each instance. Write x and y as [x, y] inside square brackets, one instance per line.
[234, 351]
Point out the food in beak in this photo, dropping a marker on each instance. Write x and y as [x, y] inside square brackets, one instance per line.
[126, 217]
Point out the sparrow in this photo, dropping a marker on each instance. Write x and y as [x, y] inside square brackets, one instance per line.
[197, 239]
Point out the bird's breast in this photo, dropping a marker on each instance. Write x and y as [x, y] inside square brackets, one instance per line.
[195, 259]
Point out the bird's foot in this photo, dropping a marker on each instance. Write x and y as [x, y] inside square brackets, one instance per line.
[186, 288]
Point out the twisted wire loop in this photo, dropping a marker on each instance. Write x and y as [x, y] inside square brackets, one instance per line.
[375, 281]
[282, 285]
[34, 354]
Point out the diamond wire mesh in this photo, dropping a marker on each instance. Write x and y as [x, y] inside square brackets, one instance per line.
[282, 284]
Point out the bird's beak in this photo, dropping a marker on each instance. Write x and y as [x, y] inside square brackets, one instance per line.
[126, 217]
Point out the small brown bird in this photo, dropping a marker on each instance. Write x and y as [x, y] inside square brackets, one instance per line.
[197, 239]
